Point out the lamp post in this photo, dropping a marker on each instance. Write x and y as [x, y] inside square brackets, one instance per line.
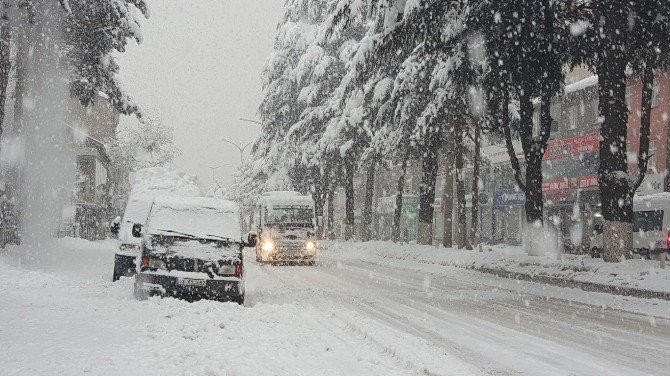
[240, 147]
[213, 168]
[251, 121]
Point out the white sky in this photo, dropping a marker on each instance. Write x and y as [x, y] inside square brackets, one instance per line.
[198, 70]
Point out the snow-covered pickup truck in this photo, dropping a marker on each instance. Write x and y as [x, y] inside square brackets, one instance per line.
[191, 249]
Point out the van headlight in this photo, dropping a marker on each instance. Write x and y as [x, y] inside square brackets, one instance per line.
[310, 246]
[268, 246]
[226, 270]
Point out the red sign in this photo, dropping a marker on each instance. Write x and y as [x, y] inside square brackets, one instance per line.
[587, 182]
[573, 146]
[555, 185]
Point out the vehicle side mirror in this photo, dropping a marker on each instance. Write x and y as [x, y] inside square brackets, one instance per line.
[252, 239]
[137, 230]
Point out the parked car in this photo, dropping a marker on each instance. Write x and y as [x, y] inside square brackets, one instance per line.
[286, 227]
[192, 249]
[651, 227]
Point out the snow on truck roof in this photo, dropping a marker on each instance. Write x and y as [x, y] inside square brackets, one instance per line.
[285, 198]
[149, 183]
[179, 202]
[198, 216]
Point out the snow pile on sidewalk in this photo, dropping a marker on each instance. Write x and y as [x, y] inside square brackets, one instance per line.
[66, 256]
[637, 274]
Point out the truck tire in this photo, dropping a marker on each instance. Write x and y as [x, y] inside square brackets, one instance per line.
[238, 299]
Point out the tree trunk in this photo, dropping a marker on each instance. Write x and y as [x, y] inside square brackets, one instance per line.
[617, 206]
[21, 72]
[461, 215]
[397, 214]
[330, 234]
[5, 64]
[319, 197]
[645, 127]
[533, 171]
[366, 234]
[427, 190]
[349, 204]
[330, 221]
[474, 226]
[448, 200]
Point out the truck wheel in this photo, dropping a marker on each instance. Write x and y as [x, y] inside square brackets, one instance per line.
[238, 299]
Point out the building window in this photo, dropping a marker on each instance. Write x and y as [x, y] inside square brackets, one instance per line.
[655, 88]
[651, 163]
[408, 187]
[536, 123]
[629, 98]
[572, 117]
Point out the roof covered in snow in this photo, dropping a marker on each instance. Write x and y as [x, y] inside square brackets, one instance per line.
[149, 183]
[285, 198]
[200, 217]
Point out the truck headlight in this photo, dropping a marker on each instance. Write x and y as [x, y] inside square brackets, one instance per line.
[268, 246]
[226, 270]
[310, 246]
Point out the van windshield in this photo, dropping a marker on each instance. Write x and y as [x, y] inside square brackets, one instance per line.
[645, 221]
[290, 214]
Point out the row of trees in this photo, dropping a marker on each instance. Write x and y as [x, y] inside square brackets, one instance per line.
[358, 85]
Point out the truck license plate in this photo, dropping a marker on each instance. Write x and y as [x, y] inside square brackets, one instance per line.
[193, 282]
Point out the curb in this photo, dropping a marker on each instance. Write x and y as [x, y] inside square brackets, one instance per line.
[586, 286]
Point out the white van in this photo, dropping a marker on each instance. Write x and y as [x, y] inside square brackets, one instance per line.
[651, 226]
[285, 228]
[149, 183]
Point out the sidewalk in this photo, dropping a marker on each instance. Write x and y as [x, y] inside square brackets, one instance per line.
[639, 278]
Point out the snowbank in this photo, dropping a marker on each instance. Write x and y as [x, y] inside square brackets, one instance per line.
[635, 274]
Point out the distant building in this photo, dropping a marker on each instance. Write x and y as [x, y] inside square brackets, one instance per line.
[101, 189]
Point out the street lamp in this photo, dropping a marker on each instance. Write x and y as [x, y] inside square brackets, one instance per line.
[213, 168]
[240, 147]
[251, 121]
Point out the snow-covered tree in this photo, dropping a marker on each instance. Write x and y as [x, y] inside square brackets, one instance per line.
[149, 144]
[94, 31]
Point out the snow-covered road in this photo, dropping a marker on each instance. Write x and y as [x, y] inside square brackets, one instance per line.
[348, 315]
